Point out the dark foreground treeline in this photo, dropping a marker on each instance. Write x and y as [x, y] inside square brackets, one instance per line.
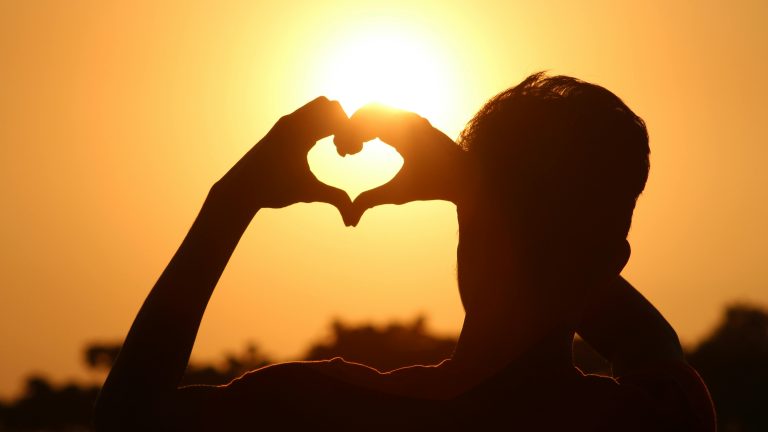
[733, 361]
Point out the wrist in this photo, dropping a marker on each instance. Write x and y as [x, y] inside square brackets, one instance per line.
[464, 180]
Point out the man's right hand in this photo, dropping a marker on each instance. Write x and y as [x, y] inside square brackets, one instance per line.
[275, 172]
[434, 167]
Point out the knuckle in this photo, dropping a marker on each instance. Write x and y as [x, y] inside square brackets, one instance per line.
[284, 120]
[283, 125]
[417, 120]
[319, 102]
[336, 105]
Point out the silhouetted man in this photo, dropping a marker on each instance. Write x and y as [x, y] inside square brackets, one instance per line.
[545, 179]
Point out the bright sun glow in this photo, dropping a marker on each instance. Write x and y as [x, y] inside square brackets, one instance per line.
[389, 66]
[383, 64]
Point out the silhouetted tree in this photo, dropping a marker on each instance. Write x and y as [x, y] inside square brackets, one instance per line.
[46, 407]
[733, 361]
[384, 348]
[101, 355]
[232, 367]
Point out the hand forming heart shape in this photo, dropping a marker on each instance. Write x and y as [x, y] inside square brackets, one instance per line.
[275, 173]
[374, 166]
[433, 165]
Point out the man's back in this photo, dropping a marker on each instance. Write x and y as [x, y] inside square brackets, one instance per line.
[336, 394]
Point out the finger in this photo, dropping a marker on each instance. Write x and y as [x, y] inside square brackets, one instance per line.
[397, 128]
[318, 119]
[393, 192]
[321, 192]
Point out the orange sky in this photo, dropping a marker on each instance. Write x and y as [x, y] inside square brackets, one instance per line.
[116, 118]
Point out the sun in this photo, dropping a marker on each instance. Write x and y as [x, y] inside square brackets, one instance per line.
[390, 65]
[387, 64]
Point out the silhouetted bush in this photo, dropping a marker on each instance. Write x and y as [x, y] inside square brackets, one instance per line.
[45, 407]
[384, 348]
[733, 361]
[101, 355]
[232, 367]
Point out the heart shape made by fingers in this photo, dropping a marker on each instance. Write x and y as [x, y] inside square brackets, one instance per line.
[375, 165]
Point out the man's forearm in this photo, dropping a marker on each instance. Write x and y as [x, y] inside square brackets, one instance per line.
[156, 351]
[628, 330]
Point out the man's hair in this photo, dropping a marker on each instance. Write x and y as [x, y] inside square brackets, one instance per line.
[564, 151]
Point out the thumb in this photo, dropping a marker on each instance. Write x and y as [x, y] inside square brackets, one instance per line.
[392, 192]
[336, 197]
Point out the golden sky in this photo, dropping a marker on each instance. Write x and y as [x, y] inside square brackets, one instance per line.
[117, 117]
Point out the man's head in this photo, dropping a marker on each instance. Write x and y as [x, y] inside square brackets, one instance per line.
[561, 163]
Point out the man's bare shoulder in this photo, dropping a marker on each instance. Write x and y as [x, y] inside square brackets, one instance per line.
[294, 395]
[337, 373]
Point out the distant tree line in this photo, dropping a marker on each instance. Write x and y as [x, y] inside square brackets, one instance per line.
[733, 361]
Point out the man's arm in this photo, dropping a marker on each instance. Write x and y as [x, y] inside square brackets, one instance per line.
[143, 382]
[628, 330]
[645, 352]
[434, 167]
[156, 351]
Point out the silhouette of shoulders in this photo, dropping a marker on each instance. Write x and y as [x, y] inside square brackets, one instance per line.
[344, 395]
